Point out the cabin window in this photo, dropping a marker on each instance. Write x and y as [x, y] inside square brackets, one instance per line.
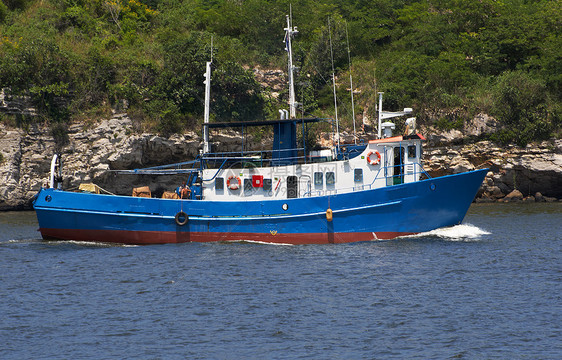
[266, 184]
[358, 175]
[318, 179]
[412, 151]
[219, 183]
[330, 178]
[247, 184]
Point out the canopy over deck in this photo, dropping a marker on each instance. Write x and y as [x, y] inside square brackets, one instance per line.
[284, 135]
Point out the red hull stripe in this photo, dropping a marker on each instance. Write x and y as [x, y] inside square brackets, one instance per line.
[155, 237]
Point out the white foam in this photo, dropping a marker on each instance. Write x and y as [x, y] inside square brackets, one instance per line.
[90, 243]
[462, 232]
[15, 241]
[260, 242]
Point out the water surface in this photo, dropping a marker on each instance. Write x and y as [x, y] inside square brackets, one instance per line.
[490, 288]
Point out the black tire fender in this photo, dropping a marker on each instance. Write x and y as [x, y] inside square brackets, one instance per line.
[181, 218]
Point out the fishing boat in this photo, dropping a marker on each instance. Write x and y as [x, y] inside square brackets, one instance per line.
[289, 194]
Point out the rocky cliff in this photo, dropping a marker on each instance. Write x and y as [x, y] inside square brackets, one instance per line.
[533, 173]
[93, 152]
[90, 156]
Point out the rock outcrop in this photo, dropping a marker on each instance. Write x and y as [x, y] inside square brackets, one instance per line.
[90, 155]
[272, 80]
[535, 168]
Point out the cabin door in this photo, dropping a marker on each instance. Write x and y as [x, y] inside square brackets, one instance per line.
[305, 186]
[398, 168]
[388, 157]
[292, 187]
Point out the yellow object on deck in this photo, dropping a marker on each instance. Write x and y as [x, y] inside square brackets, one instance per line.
[91, 188]
[170, 195]
[143, 191]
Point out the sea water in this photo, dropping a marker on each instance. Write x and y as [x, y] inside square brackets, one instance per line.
[487, 289]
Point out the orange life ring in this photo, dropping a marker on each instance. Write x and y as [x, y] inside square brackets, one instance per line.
[375, 161]
[233, 186]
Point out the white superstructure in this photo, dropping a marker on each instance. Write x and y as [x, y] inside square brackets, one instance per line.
[383, 162]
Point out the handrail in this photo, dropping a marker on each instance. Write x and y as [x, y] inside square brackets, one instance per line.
[260, 155]
[252, 151]
[371, 185]
[156, 171]
[191, 162]
[416, 164]
[169, 169]
[217, 172]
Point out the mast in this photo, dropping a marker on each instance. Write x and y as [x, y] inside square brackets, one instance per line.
[351, 86]
[334, 85]
[380, 114]
[207, 83]
[290, 31]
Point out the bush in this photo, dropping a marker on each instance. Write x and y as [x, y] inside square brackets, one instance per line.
[166, 116]
[449, 124]
[236, 94]
[16, 4]
[93, 76]
[3, 12]
[59, 132]
[520, 104]
[51, 101]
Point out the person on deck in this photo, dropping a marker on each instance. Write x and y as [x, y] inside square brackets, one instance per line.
[183, 191]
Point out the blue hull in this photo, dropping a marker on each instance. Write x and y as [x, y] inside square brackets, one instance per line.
[382, 213]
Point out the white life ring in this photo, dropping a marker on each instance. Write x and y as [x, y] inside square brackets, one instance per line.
[374, 161]
[233, 185]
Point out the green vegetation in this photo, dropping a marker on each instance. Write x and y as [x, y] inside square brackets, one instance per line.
[77, 59]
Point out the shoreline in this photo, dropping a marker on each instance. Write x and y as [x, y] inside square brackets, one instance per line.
[530, 174]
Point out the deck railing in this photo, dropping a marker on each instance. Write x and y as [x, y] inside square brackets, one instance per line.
[259, 158]
[418, 173]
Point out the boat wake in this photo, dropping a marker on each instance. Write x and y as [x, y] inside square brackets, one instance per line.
[462, 232]
[258, 242]
[88, 243]
[20, 241]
